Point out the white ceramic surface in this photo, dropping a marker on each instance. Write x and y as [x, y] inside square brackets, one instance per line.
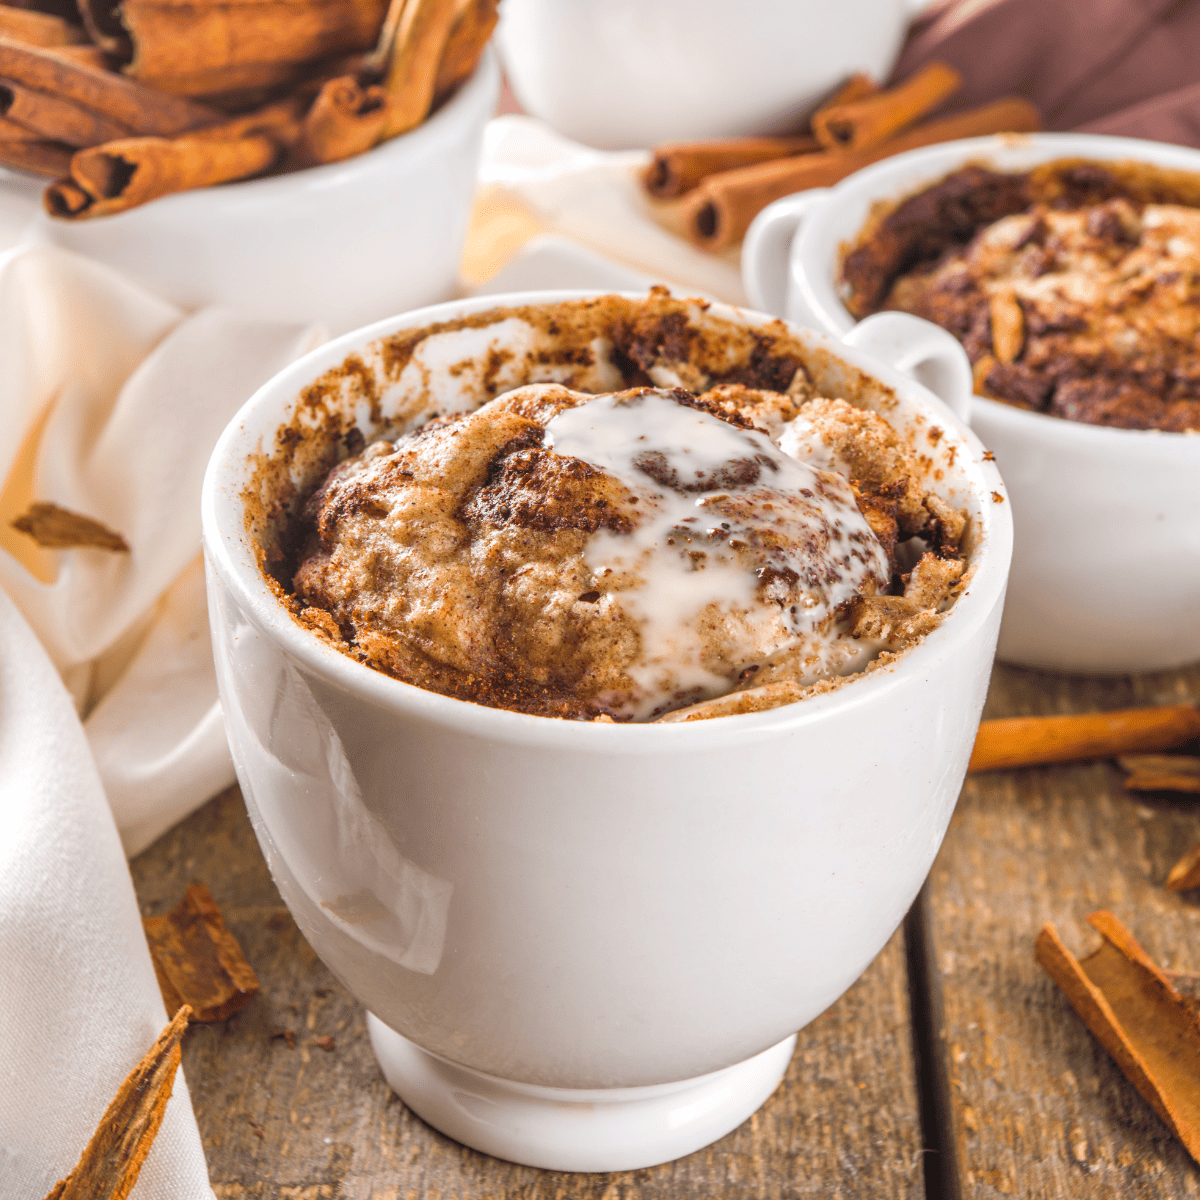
[1106, 568]
[563, 1129]
[620, 74]
[345, 244]
[585, 906]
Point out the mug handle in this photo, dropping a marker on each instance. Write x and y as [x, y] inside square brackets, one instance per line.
[767, 250]
[922, 350]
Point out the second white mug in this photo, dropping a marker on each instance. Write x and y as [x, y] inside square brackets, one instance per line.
[1106, 562]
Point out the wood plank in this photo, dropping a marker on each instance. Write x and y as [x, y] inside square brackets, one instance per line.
[309, 1123]
[1036, 1107]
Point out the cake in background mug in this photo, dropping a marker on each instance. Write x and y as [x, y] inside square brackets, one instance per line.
[558, 924]
[1079, 487]
[1072, 285]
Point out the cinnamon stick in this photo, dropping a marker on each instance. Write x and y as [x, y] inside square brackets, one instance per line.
[207, 49]
[677, 167]
[281, 121]
[48, 159]
[88, 56]
[1161, 772]
[345, 119]
[198, 961]
[1137, 1016]
[1185, 874]
[141, 109]
[121, 175]
[866, 122]
[112, 1160]
[422, 32]
[1163, 783]
[52, 117]
[55, 528]
[10, 131]
[468, 36]
[1030, 741]
[64, 197]
[722, 207]
[37, 28]
[855, 88]
[102, 20]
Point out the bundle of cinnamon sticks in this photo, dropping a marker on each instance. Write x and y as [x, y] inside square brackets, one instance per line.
[150, 97]
[725, 184]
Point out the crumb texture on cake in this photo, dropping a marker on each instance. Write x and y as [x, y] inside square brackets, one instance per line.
[668, 521]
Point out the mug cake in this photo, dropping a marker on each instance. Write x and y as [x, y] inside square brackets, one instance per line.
[664, 518]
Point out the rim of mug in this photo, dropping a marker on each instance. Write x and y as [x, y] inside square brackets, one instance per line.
[942, 158]
[229, 552]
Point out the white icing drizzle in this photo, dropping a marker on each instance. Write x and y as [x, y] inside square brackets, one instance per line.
[724, 512]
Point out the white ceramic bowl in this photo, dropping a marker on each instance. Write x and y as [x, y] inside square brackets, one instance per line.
[344, 244]
[564, 929]
[1106, 570]
[627, 73]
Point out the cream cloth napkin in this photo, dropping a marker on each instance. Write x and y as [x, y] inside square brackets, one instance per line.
[79, 1004]
[554, 213]
[111, 402]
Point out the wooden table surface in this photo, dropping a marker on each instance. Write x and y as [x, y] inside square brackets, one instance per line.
[953, 1068]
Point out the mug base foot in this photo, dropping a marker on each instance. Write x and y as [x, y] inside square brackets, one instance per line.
[562, 1129]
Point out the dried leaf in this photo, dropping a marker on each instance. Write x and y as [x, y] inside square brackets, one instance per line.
[197, 960]
[56, 528]
[1185, 873]
[109, 1167]
[1138, 1017]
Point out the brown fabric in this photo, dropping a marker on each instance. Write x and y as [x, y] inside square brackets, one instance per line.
[1125, 67]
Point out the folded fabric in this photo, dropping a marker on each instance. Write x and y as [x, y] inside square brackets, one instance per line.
[112, 401]
[79, 1004]
[1123, 67]
[537, 181]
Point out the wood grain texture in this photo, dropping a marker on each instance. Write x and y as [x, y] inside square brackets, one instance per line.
[310, 1124]
[1036, 1108]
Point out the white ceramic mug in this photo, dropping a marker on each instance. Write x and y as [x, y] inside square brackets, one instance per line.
[588, 946]
[1106, 569]
[343, 244]
[620, 74]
